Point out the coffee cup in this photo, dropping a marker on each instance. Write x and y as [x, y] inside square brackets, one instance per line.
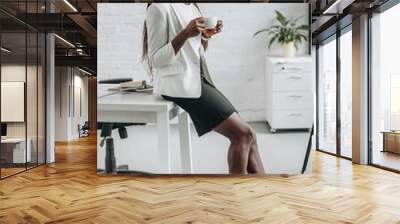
[210, 22]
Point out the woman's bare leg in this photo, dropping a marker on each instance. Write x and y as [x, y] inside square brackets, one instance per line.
[255, 165]
[242, 138]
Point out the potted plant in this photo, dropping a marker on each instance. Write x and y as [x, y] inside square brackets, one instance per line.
[287, 33]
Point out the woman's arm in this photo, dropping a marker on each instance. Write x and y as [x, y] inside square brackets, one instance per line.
[162, 52]
[192, 29]
[207, 34]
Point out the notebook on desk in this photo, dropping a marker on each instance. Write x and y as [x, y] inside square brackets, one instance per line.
[133, 86]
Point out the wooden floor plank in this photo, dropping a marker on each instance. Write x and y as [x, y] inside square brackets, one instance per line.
[70, 191]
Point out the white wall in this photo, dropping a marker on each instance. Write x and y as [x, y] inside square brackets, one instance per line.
[17, 73]
[79, 118]
[61, 103]
[34, 124]
[235, 57]
[68, 80]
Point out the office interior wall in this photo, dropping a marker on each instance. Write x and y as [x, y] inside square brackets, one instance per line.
[235, 57]
[35, 105]
[24, 63]
[71, 102]
[16, 73]
[81, 104]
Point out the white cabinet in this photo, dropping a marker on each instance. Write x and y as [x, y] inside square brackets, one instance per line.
[289, 93]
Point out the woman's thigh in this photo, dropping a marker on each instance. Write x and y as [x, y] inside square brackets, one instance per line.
[233, 127]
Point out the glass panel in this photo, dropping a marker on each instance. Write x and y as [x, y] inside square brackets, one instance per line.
[41, 99]
[327, 97]
[346, 94]
[31, 99]
[13, 87]
[23, 84]
[32, 88]
[385, 84]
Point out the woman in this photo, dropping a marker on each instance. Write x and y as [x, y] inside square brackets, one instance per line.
[174, 42]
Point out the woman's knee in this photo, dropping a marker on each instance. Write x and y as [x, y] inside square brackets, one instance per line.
[236, 130]
[243, 135]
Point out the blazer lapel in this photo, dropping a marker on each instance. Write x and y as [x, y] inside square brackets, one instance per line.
[178, 15]
[182, 22]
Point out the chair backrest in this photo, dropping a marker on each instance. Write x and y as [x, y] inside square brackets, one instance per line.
[86, 125]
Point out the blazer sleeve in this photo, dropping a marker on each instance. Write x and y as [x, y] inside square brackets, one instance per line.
[160, 49]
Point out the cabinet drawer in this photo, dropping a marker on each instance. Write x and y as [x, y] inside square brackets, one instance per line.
[291, 119]
[291, 68]
[291, 82]
[292, 100]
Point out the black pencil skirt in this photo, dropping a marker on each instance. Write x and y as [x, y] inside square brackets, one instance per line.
[207, 111]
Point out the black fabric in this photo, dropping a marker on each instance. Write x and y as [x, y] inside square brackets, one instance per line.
[207, 111]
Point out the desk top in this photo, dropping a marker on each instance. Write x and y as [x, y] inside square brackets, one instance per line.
[13, 140]
[133, 102]
[391, 132]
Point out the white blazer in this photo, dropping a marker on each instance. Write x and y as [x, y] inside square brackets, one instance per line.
[175, 75]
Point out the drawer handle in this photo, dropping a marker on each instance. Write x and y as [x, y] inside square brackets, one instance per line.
[295, 115]
[295, 77]
[292, 68]
[295, 96]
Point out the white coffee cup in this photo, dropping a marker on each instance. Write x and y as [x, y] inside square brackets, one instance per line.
[210, 22]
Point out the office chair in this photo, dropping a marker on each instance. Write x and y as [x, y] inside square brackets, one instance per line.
[84, 129]
[106, 134]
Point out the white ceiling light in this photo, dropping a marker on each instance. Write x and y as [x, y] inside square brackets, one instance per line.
[84, 71]
[65, 41]
[70, 5]
[338, 6]
[5, 50]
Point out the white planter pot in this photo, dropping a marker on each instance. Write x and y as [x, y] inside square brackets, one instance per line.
[289, 50]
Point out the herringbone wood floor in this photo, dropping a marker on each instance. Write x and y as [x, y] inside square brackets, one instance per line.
[70, 191]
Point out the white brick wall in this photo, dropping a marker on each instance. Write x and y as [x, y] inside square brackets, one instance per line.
[236, 64]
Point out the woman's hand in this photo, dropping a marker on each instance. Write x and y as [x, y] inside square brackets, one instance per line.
[208, 33]
[195, 27]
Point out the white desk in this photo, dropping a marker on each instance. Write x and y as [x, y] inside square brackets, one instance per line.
[19, 155]
[148, 108]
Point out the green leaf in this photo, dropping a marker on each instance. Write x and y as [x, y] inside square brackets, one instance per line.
[274, 27]
[271, 41]
[302, 27]
[303, 36]
[281, 18]
[286, 30]
[297, 19]
[260, 31]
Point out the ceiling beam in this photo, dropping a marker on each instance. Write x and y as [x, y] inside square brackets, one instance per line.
[78, 61]
[84, 24]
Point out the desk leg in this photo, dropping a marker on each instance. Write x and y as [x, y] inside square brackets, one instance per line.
[185, 143]
[164, 153]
